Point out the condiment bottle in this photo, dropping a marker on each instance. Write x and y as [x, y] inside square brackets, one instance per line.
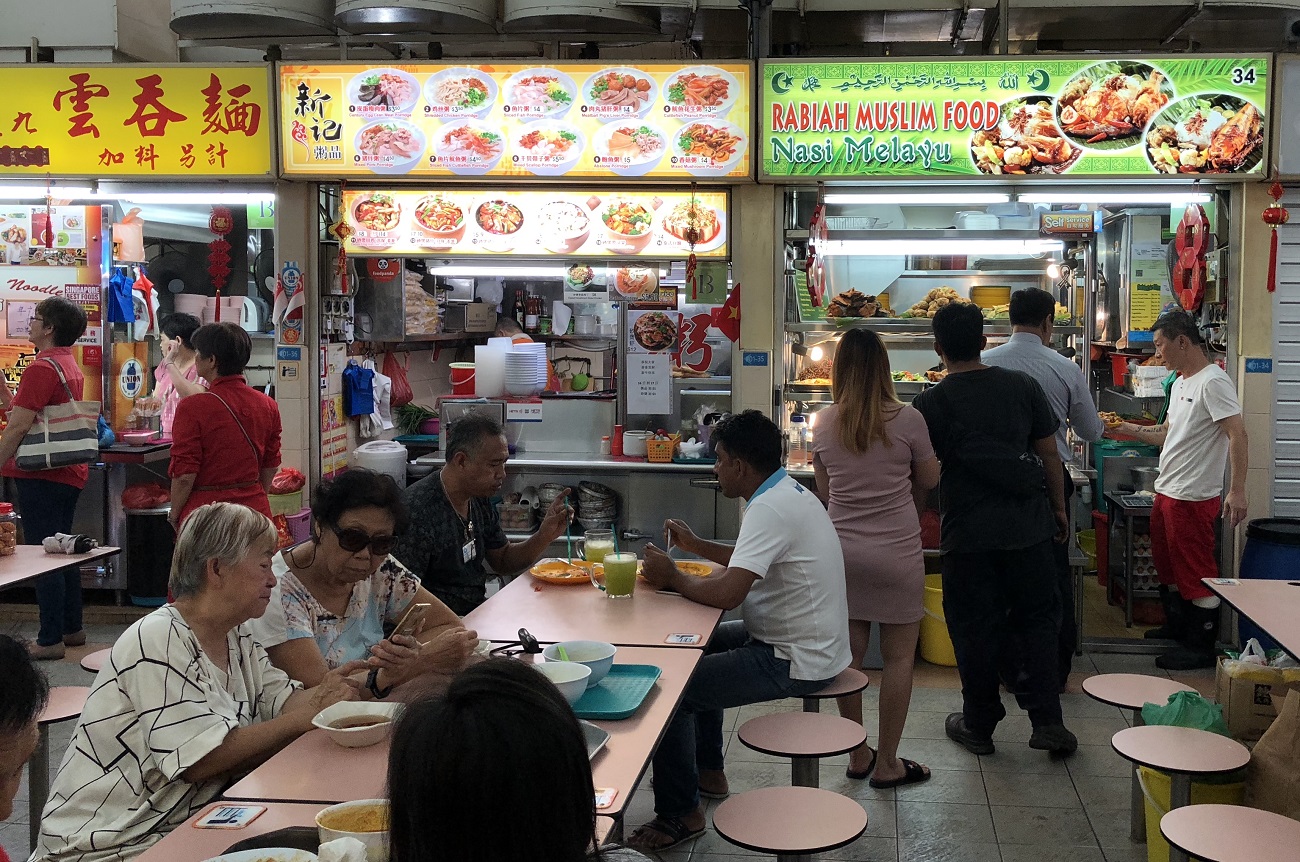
[798, 455]
[8, 529]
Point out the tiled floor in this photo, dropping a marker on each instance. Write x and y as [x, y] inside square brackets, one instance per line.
[1017, 805]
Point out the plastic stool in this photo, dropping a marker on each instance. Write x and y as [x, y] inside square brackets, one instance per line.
[848, 681]
[1182, 752]
[93, 661]
[1231, 833]
[66, 702]
[804, 737]
[1132, 691]
[791, 822]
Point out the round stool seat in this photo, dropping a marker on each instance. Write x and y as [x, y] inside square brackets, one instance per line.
[1180, 749]
[790, 820]
[1131, 690]
[801, 734]
[66, 701]
[1231, 833]
[93, 661]
[848, 681]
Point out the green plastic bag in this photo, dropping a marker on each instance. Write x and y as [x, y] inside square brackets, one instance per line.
[1187, 709]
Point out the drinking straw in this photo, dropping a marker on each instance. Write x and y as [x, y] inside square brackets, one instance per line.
[615, 532]
[568, 542]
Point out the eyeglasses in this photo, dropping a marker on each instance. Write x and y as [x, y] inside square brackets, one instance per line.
[352, 541]
[527, 644]
[32, 320]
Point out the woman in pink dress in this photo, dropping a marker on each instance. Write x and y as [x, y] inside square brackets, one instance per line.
[874, 462]
[177, 376]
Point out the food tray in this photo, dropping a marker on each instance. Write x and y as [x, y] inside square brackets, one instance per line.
[596, 738]
[620, 694]
[417, 439]
[678, 459]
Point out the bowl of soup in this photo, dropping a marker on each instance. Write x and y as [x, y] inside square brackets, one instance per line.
[365, 820]
[356, 724]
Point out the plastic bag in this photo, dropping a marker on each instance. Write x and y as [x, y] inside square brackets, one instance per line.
[287, 480]
[402, 393]
[1187, 709]
[283, 535]
[149, 495]
[106, 436]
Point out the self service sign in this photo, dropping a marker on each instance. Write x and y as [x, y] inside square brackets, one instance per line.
[1124, 117]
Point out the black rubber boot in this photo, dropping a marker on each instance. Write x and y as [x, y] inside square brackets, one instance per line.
[1197, 649]
[1175, 627]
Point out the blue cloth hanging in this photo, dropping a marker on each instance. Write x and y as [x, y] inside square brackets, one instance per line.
[121, 306]
[358, 390]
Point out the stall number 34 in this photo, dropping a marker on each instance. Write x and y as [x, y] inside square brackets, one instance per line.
[1242, 75]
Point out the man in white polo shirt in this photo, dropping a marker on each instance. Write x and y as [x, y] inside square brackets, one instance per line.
[786, 574]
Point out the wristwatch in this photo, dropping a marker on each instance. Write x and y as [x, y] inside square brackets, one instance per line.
[372, 683]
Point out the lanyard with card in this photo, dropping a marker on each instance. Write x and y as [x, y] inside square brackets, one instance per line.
[468, 550]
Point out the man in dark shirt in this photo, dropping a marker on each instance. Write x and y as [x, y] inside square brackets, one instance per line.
[998, 566]
[454, 526]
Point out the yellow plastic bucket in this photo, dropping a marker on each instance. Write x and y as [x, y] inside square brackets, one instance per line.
[1155, 787]
[1088, 544]
[936, 645]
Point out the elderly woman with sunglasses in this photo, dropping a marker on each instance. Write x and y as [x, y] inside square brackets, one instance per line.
[340, 595]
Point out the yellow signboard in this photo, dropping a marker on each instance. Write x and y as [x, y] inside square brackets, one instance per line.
[648, 223]
[653, 120]
[153, 121]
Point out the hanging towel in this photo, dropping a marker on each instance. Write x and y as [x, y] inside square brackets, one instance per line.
[382, 419]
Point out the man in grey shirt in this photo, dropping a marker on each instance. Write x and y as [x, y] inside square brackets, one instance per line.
[1032, 314]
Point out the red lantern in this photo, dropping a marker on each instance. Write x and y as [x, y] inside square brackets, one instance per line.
[1274, 214]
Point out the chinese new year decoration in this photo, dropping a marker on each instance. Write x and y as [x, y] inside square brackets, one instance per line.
[341, 230]
[221, 222]
[1191, 242]
[1274, 215]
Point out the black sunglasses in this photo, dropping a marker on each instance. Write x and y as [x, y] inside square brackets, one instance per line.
[352, 541]
[526, 644]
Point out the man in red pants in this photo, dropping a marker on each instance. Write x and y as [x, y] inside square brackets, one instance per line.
[1203, 434]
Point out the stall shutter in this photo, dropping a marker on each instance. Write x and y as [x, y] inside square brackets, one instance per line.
[1286, 366]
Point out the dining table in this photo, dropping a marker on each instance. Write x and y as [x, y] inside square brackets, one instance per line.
[578, 611]
[1272, 605]
[29, 562]
[294, 773]
[189, 843]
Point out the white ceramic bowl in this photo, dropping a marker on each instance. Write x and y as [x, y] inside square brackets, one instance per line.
[569, 677]
[597, 655]
[327, 822]
[266, 854]
[356, 737]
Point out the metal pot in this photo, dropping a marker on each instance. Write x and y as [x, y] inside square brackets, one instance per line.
[1144, 479]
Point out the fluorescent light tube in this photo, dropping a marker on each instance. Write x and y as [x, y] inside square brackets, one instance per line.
[196, 197]
[500, 270]
[916, 198]
[1118, 196]
[24, 192]
[896, 247]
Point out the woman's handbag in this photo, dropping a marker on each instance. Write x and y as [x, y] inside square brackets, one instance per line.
[62, 435]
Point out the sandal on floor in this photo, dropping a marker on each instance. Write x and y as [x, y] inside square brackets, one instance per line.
[709, 794]
[858, 776]
[672, 828]
[913, 773]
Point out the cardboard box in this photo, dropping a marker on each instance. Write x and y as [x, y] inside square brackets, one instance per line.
[1248, 698]
[480, 317]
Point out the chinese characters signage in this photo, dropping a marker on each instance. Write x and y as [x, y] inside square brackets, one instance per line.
[109, 121]
[654, 120]
[580, 224]
[1043, 116]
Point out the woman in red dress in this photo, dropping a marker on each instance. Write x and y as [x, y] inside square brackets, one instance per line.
[226, 441]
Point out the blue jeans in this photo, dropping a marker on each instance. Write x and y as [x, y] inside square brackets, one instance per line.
[47, 508]
[735, 670]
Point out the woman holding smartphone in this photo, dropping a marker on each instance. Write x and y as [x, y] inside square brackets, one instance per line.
[340, 596]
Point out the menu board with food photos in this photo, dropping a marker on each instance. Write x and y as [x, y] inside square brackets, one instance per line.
[652, 120]
[645, 223]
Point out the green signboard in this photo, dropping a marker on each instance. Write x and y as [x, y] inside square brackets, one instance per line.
[1015, 117]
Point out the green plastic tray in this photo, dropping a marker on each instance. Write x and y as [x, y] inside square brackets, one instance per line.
[619, 694]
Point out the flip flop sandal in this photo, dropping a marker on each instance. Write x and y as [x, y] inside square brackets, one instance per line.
[670, 827]
[913, 773]
[858, 776]
[709, 794]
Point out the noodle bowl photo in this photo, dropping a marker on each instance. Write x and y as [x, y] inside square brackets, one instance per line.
[383, 93]
[459, 92]
[389, 146]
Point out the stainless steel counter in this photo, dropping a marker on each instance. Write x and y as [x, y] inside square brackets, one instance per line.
[568, 461]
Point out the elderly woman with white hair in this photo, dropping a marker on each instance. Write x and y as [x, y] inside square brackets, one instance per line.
[187, 701]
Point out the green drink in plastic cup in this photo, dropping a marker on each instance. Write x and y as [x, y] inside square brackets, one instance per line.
[620, 575]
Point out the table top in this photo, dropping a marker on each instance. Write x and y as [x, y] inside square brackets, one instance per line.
[554, 613]
[1180, 749]
[121, 453]
[1272, 605]
[188, 843]
[30, 561]
[1131, 690]
[360, 773]
[1231, 833]
[790, 820]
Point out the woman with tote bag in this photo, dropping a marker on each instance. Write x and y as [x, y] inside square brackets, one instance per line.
[47, 498]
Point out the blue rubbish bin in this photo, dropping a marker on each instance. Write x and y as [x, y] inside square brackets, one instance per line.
[1272, 552]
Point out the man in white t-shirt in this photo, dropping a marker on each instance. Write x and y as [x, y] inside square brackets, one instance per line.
[1203, 434]
[786, 574]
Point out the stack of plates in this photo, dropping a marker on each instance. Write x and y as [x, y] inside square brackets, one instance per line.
[597, 506]
[521, 373]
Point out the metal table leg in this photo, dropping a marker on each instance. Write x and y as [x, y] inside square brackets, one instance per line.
[1078, 609]
[1137, 815]
[804, 772]
[38, 782]
[1180, 794]
[1128, 570]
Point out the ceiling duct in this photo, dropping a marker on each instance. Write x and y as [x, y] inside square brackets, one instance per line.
[197, 19]
[417, 16]
[581, 17]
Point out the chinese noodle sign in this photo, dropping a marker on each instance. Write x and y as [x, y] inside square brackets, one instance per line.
[653, 120]
[108, 121]
[1119, 117]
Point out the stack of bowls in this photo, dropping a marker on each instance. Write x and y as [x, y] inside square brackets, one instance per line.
[537, 354]
[597, 506]
[547, 492]
[521, 373]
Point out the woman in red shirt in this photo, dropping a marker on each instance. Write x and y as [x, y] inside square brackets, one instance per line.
[226, 441]
[47, 499]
